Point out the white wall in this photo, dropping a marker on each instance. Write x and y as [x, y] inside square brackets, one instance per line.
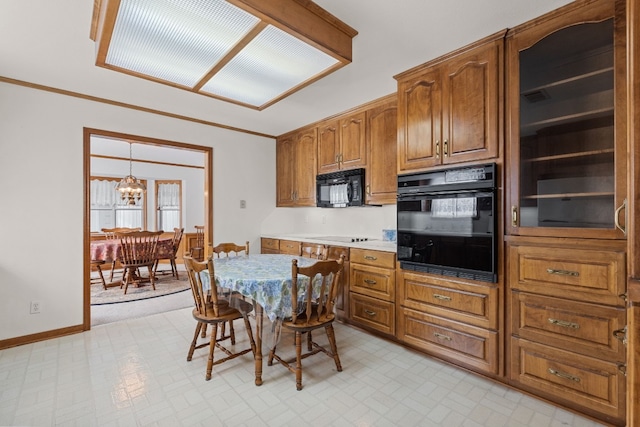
[42, 208]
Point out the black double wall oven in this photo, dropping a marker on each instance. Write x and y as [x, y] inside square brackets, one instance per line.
[447, 222]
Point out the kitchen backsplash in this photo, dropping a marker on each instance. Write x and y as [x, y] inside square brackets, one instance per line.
[365, 221]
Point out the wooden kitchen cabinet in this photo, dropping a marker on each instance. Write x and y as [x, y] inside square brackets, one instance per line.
[450, 109]
[341, 143]
[381, 183]
[296, 168]
[269, 246]
[372, 290]
[567, 160]
[454, 319]
[567, 316]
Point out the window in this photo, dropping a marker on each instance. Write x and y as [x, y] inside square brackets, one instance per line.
[108, 210]
[169, 204]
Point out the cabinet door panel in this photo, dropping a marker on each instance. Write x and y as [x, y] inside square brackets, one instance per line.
[382, 140]
[419, 120]
[305, 168]
[285, 152]
[472, 88]
[328, 147]
[352, 142]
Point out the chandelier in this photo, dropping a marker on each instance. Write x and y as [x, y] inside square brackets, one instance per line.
[130, 187]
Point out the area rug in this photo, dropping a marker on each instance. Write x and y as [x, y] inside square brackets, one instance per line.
[165, 285]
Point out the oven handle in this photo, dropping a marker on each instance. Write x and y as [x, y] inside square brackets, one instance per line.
[421, 195]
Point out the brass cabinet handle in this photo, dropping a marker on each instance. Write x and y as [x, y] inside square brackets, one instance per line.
[370, 313]
[370, 281]
[564, 375]
[617, 217]
[368, 189]
[337, 158]
[563, 272]
[564, 323]
[437, 149]
[514, 216]
[621, 334]
[442, 297]
[441, 336]
[446, 148]
[370, 258]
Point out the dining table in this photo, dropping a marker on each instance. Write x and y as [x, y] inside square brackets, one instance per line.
[266, 280]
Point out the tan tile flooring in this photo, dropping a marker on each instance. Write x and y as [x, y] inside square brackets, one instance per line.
[134, 373]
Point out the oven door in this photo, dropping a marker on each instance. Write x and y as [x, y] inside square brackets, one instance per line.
[450, 234]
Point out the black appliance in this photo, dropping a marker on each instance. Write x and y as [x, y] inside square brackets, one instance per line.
[447, 222]
[340, 189]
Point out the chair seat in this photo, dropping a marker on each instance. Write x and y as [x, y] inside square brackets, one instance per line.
[226, 311]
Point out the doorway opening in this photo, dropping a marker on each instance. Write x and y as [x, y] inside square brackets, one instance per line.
[96, 161]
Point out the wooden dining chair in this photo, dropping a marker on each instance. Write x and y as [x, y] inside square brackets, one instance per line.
[212, 309]
[96, 264]
[110, 234]
[311, 313]
[138, 249]
[197, 250]
[230, 249]
[175, 244]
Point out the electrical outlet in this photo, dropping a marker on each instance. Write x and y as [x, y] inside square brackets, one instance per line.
[243, 204]
[35, 307]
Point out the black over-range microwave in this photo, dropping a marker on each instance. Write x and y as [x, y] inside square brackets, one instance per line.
[340, 189]
[447, 221]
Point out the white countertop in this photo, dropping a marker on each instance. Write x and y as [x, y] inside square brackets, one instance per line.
[378, 245]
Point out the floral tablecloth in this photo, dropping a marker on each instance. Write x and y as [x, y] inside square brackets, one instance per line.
[109, 250]
[266, 278]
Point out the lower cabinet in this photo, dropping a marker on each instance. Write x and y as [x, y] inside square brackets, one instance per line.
[269, 246]
[372, 290]
[455, 320]
[342, 301]
[567, 315]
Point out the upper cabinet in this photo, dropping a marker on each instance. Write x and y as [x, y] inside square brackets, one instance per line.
[449, 110]
[341, 144]
[296, 168]
[566, 113]
[382, 136]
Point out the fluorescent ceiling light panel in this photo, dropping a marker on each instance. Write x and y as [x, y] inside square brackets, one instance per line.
[175, 40]
[271, 64]
[249, 52]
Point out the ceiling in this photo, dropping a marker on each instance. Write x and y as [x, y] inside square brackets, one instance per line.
[47, 43]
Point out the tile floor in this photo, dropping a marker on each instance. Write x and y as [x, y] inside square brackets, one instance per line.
[135, 373]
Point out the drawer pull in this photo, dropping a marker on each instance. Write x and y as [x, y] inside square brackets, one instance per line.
[370, 281]
[441, 336]
[370, 313]
[442, 297]
[563, 272]
[564, 375]
[370, 258]
[564, 323]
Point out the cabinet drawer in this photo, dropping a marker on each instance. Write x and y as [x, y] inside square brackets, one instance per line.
[269, 245]
[290, 247]
[373, 281]
[372, 312]
[466, 302]
[470, 346]
[590, 385]
[569, 272]
[376, 258]
[584, 328]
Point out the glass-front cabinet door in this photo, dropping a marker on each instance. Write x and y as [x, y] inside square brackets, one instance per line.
[567, 149]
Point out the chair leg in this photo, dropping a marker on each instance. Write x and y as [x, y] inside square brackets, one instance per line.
[204, 331]
[232, 332]
[212, 347]
[126, 275]
[252, 342]
[152, 277]
[334, 347]
[309, 341]
[174, 268]
[298, 360]
[113, 268]
[193, 343]
[104, 284]
[273, 349]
